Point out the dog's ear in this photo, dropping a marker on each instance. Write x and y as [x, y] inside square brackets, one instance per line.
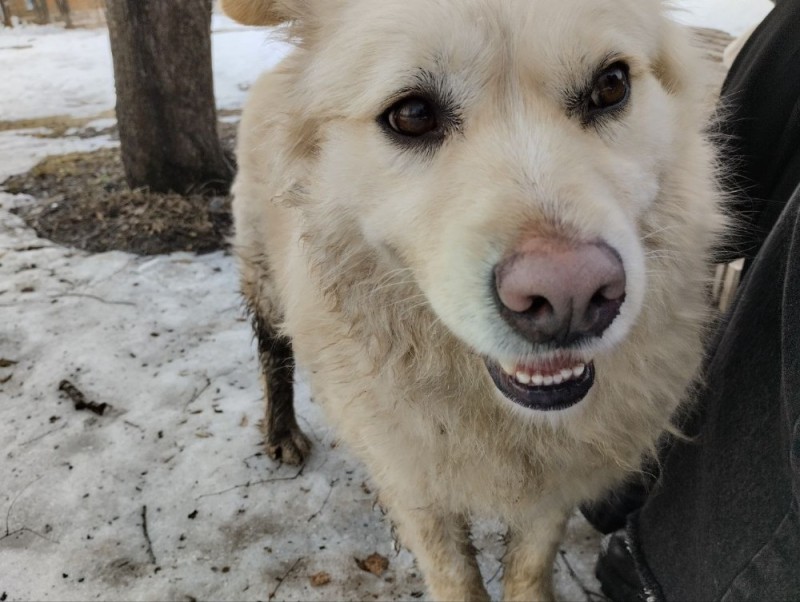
[263, 12]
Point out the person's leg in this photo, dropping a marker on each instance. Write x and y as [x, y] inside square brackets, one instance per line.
[723, 521]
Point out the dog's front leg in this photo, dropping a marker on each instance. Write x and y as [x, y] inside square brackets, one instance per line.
[284, 439]
[440, 542]
[532, 548]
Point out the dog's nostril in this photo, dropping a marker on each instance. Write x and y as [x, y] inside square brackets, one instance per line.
[600, 298]
[540, 307]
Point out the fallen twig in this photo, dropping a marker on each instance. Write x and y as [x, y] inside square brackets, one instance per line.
[94, 297]
[79, 399]
[197, 393]
[273, 593]
[43, 435]
[134, 425]
[147, 536]
[590, 594]
[251, 483]
[22, 529]
[496, 573]
[327, 497]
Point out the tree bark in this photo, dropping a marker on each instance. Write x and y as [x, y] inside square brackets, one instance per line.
[6, 13]
[64, 9]
[42, 11]
[165, 95]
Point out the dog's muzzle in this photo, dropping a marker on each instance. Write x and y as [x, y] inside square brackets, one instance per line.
[555, 293]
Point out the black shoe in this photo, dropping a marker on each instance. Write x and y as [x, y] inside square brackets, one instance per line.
[610, 513]
[622, 573]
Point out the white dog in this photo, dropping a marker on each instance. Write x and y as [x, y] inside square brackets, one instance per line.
[483, 227]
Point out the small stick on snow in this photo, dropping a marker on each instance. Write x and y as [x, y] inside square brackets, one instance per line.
[274, 592]
[22, 529]
[147, 536]
[327, 497]
[95, 297]
[197, 393]
[590, 594]
[296, 475]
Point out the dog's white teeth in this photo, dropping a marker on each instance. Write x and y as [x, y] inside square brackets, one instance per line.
[526, 375]
[523, 377]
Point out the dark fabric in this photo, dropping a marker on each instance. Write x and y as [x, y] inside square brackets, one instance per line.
[610, 513]
[762, 128]
[723, 522]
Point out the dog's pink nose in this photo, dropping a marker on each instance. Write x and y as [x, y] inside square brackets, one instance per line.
[556, 292]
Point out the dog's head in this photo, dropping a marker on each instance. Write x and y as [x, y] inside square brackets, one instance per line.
[507, 153]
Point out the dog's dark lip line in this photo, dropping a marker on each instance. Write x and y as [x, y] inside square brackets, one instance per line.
[543, 398]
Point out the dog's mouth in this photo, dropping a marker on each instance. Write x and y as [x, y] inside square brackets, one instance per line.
[553, 384]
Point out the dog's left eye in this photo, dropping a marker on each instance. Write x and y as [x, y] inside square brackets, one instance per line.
[610, 89]
[412, 117]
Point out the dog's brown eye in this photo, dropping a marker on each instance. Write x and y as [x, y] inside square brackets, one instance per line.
[412, 117]
[611, 87]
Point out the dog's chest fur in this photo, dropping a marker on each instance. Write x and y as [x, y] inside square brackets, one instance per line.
[405, 394]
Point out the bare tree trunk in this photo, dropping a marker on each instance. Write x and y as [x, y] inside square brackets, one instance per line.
[42, 11]
[165, 95]
[6, 13]
[66, 14]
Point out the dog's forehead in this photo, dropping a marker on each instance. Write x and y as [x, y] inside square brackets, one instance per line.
[378, 47]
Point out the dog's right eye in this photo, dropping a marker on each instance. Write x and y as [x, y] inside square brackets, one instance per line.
[412, 117]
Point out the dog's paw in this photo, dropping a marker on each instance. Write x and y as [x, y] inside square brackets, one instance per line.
[291, 447]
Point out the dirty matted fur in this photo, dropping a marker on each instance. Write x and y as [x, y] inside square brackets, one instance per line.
[374, 254]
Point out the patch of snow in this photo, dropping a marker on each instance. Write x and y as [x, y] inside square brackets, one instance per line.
[163, 341]
[54, 71]
[239, 57]
[49, 70]
[733, 16]
[22, 149]
[102, 123]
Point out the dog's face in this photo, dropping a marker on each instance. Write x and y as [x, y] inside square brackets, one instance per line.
[505, 152]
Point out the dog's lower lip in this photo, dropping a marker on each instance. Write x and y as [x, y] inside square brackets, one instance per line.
[543, 397]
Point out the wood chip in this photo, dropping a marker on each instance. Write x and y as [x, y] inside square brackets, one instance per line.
[374, 563]
[320, 579]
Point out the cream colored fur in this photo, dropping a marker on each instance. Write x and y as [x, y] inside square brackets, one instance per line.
[376, 260]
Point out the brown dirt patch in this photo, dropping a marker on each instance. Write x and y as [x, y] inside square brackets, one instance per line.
[82, 200]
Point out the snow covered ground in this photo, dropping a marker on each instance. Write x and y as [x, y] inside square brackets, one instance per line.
[49, 71]
[167, 495]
